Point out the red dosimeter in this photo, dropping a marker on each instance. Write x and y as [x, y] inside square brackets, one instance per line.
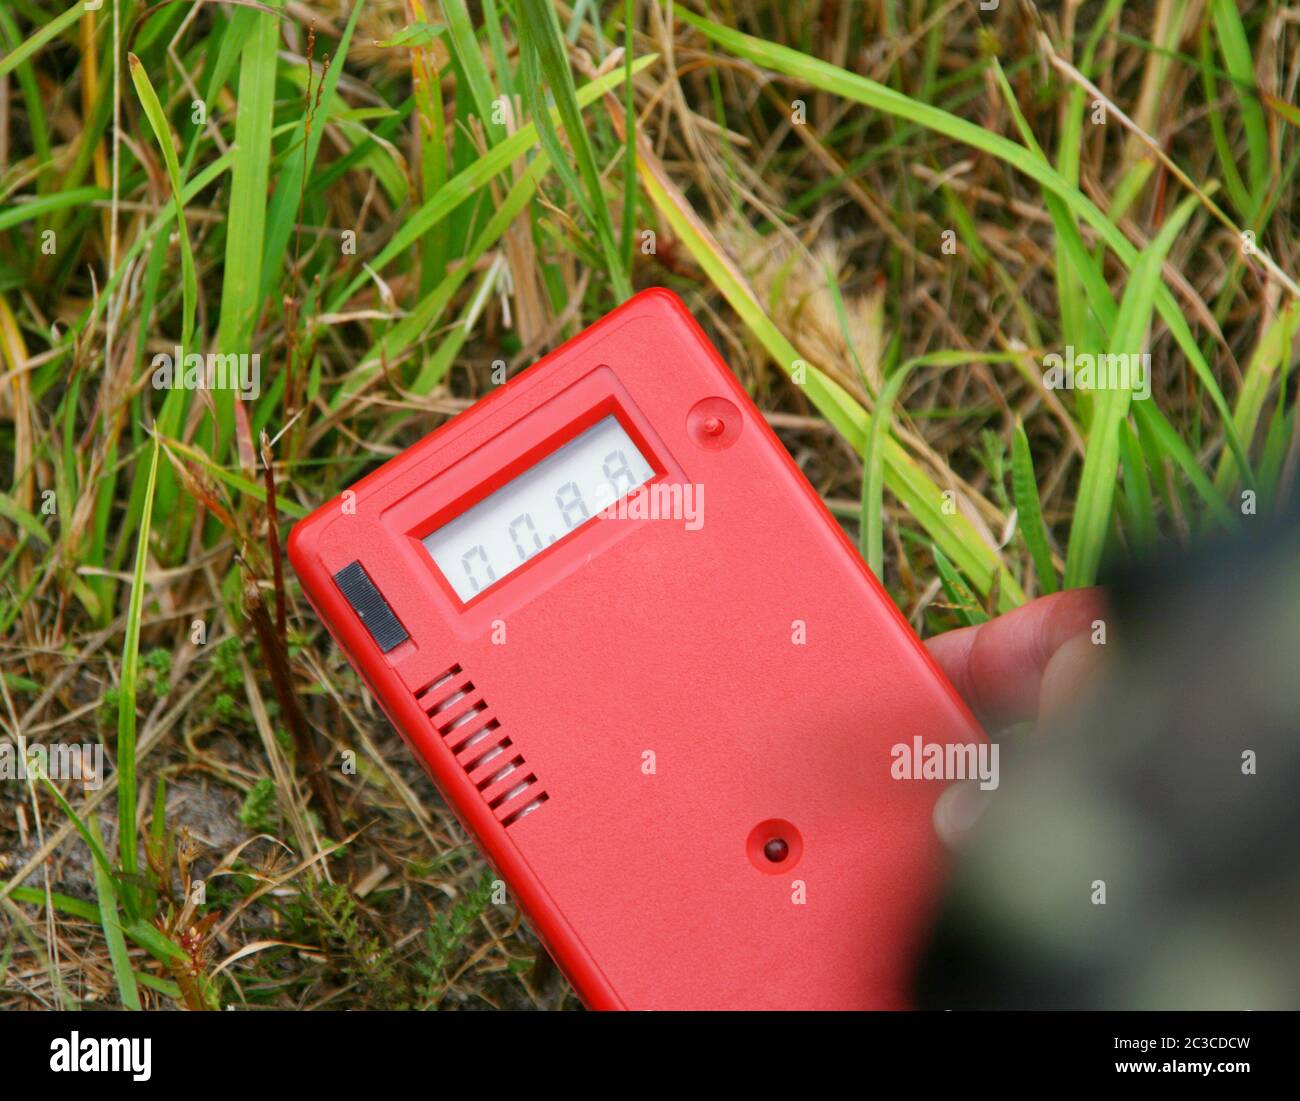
[652, 676]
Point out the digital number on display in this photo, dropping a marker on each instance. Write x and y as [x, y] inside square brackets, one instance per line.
[553, 497]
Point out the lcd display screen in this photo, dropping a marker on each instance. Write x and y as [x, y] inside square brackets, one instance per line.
[551, 498]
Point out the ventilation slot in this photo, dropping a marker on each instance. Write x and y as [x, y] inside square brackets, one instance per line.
[481, 748]
[532, 805]
[466, 724]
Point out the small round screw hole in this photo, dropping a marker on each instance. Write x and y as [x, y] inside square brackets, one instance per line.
[774, 846]
[714, 424]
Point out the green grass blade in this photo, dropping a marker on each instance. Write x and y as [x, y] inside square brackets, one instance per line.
[830, 78]
[1272, 351]
[46, 204]
[53, 28]
[1083, 269]
[1092, 513]
[430, 133]
[217, 70]
[1241, 66]
[250, 489]
[1069, 148]
[1233, 184]
[153, 941]
[500, 54]
[629, 144]
[283, 211]
[535, 99]
[202, 180]
[435, 368]
[127, 789]
[908, 482]
[465, 43]
[74, 907]
[163, 135]
[860, 89]
[241, 284]
[1140, 511]
[871, 531]
[426, 313]
[163, 986]
[1172, 446]
[37, 122]
[15, 513]
[158, 945]
[1024, 489]
[106, 892]
[959, 595]
[465, 183]
[541, 36]
[98, 856]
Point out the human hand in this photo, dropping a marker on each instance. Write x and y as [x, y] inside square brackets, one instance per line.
[1028, 664]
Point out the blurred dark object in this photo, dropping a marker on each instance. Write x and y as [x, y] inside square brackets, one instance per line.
[1175, 789]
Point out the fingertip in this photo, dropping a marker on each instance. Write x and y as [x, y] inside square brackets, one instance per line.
[956, 811]
[1073, 666]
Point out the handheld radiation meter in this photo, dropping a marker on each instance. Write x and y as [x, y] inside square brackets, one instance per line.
[652, 677]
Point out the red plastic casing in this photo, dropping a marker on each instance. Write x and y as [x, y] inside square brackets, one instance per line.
[669, 692]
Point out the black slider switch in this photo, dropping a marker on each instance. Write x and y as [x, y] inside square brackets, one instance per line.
[371, 607]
